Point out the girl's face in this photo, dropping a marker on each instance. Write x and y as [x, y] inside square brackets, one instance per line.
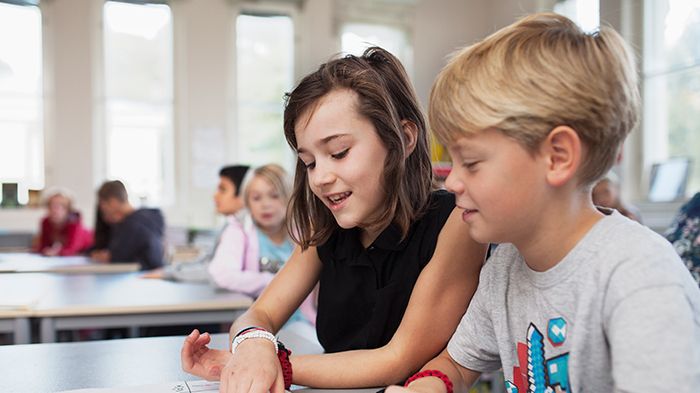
[225, 198]
[267, 206]
[58, 209]
[344, 158]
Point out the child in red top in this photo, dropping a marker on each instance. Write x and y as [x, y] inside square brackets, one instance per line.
[62, 232]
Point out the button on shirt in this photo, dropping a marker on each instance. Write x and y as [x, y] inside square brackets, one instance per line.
[364, 293]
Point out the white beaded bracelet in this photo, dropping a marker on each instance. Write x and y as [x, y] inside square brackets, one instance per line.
[253, 334]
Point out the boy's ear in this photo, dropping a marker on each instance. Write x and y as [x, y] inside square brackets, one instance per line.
[563, 151]
[410, 131]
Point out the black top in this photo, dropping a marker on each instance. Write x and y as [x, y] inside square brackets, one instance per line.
[364, 292]
[139, 238]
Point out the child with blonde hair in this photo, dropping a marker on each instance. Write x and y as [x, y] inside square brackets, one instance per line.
[574, 298]
[62, 232]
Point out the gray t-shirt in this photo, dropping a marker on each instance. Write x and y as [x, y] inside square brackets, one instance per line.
[619, 313]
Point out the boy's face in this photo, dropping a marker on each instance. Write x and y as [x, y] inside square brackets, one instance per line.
[499, 185]
[225, 198]
[113, 211]
[605, 194]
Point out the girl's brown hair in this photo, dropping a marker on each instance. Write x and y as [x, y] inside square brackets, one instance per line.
[386, 98]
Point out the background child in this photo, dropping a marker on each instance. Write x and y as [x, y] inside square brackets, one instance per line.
[573, 298]
[134, 235]
[248, 254]
[684, 234]
[606, 193]
[231, 241]
[237, 263]
[386, 251]
[62, 231]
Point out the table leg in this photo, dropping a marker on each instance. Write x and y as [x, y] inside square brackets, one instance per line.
[22, 333]
[48, 330]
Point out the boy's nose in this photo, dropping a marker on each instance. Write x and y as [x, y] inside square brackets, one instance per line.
[452, 183]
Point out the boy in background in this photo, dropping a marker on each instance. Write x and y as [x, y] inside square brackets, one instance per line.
[574, 298]
[134, 235]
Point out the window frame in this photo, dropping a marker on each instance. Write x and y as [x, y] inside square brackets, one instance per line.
[264, 8]
[168, 197]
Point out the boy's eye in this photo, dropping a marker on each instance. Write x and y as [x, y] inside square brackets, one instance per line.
[471, 165]
[340, 155]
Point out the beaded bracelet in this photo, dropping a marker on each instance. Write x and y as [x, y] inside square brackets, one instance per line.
[253, 334]
[432, 373]
[246, 329]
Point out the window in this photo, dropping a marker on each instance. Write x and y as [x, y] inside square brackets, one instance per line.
[586, 13]
[265, 71]
[356, 37]
[138, 72]
[671, 75]
[383, 23]
[21, 103]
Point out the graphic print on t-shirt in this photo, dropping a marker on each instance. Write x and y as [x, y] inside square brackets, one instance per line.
[535, 373]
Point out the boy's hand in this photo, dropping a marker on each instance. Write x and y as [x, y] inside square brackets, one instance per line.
[102, 256]
[398, 389]
[200, 360]
[155, 274]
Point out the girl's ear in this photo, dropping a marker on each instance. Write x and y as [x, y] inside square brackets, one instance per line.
[411, 136]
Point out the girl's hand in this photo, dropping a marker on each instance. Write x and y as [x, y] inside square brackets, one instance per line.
[52, 251]
[200, 360]
[254, 368]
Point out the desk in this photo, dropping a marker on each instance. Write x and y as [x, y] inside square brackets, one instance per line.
[35, 263]
[112, 363]
[19, 293]
[117, 300]
[17, 323]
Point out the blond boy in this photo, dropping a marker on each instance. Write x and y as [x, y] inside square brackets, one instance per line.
[573, 299]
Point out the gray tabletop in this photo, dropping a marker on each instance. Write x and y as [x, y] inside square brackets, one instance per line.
[34, 263]
[77, 301]
[103, 364]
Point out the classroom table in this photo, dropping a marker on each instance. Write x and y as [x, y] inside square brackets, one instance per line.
[35, 263]
[110, 364]
[17, 323]
[116, 300]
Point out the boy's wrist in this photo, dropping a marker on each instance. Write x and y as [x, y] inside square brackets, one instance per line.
[430, 381]
[427, 385]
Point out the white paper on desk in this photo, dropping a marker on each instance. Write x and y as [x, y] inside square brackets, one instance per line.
[172, 387]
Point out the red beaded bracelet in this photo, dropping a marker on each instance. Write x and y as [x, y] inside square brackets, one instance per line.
[283, 355]
[432, 373]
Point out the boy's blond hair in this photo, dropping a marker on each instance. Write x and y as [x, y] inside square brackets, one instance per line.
[538, 73]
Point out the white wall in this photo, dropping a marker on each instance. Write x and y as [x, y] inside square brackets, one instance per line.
[205, 91]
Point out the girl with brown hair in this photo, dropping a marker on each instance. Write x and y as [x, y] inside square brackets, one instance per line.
[387, 251]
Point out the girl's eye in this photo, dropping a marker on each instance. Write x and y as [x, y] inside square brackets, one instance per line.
[310, 165]
[340, 155]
